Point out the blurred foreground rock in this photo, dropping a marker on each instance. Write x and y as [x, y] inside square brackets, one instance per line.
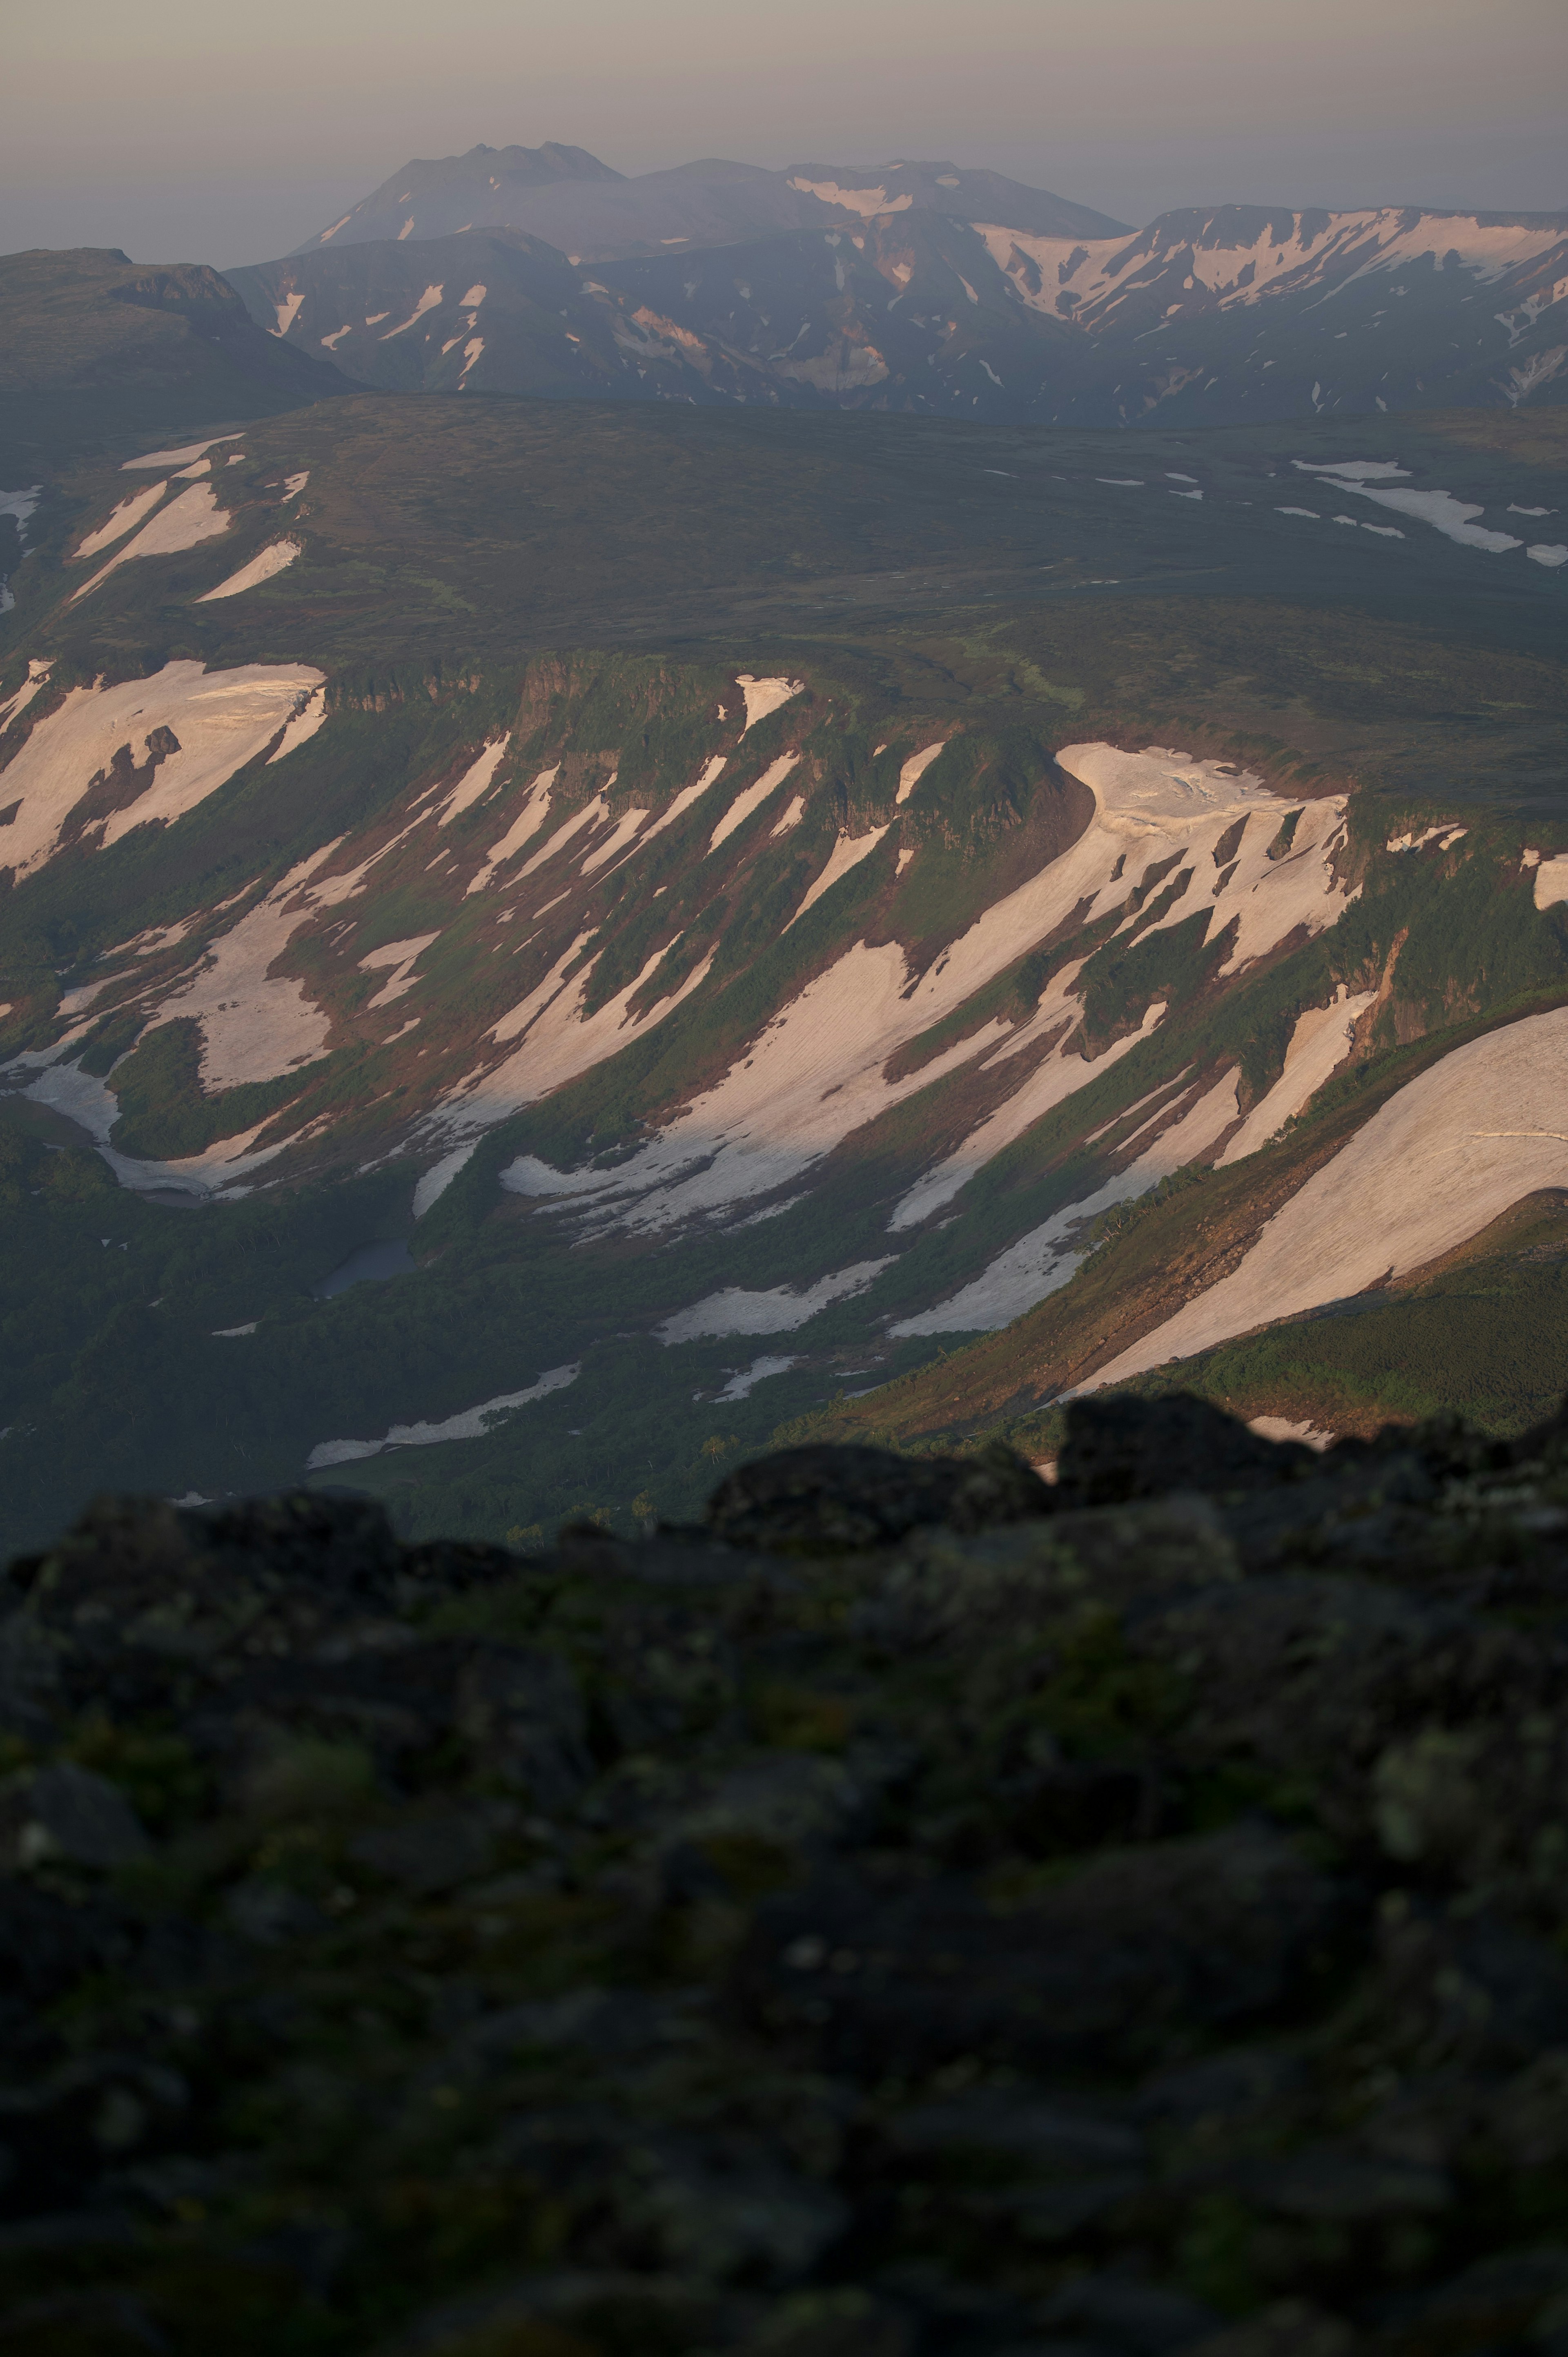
[920, 1913]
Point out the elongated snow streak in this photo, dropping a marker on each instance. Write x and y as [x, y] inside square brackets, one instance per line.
[193, 517]
[847, 853]
[751, 798]
[685, 797]
[427, 302]
[1041, 1262]
[735, 1311]
[471, 1424]
[1421, 1175]
[915, 768]
[126, 517]
[475, 781]
[262, 568]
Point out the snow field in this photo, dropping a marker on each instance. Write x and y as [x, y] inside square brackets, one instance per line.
[1449, 1153]
[15, 704]
[1105, 272]
[216, 1172]
[221, 719]
[686, 797]
[818, 1069]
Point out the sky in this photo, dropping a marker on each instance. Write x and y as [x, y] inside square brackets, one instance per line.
[182, 130]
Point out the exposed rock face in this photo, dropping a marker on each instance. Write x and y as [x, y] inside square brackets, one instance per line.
[921, 1911]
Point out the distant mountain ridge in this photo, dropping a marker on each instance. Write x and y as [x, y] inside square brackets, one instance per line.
[916, 286]
[596, 214]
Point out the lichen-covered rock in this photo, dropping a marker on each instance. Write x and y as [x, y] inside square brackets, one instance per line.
[916, 1915]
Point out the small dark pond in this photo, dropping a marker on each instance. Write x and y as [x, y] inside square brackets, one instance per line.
[370, 1264]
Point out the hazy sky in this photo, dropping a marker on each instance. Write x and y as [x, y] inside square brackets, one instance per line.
[184, 130]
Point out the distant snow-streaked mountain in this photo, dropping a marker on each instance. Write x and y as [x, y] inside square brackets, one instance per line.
[594, 214]
[917, 287]
[484, 188]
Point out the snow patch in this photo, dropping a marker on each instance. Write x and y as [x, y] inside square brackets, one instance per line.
[847, 853]
[271, 561]
[764, 696]
[403, 957]
[752, 796]
[220, 720]
[472, 1424]
[1318, 1046]
[741, 1386]
[915, 768]
[476, 778]
[287, 312]
[1042, 1261]
[865, 201]
[780, 1311]
[427, 302]
[1446, 1155]
[192, 517]
[126, 517]
[1552, 881]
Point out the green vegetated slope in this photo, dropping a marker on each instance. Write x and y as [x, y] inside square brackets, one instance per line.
[593, 587]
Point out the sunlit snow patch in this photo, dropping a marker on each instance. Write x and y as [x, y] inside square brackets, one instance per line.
[262, 568]
[125, 517]
[752, 796]
[193, 517]
[427, 302]
[217, 721]
[764, 696]
[847, 853]
[1453, 1150]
